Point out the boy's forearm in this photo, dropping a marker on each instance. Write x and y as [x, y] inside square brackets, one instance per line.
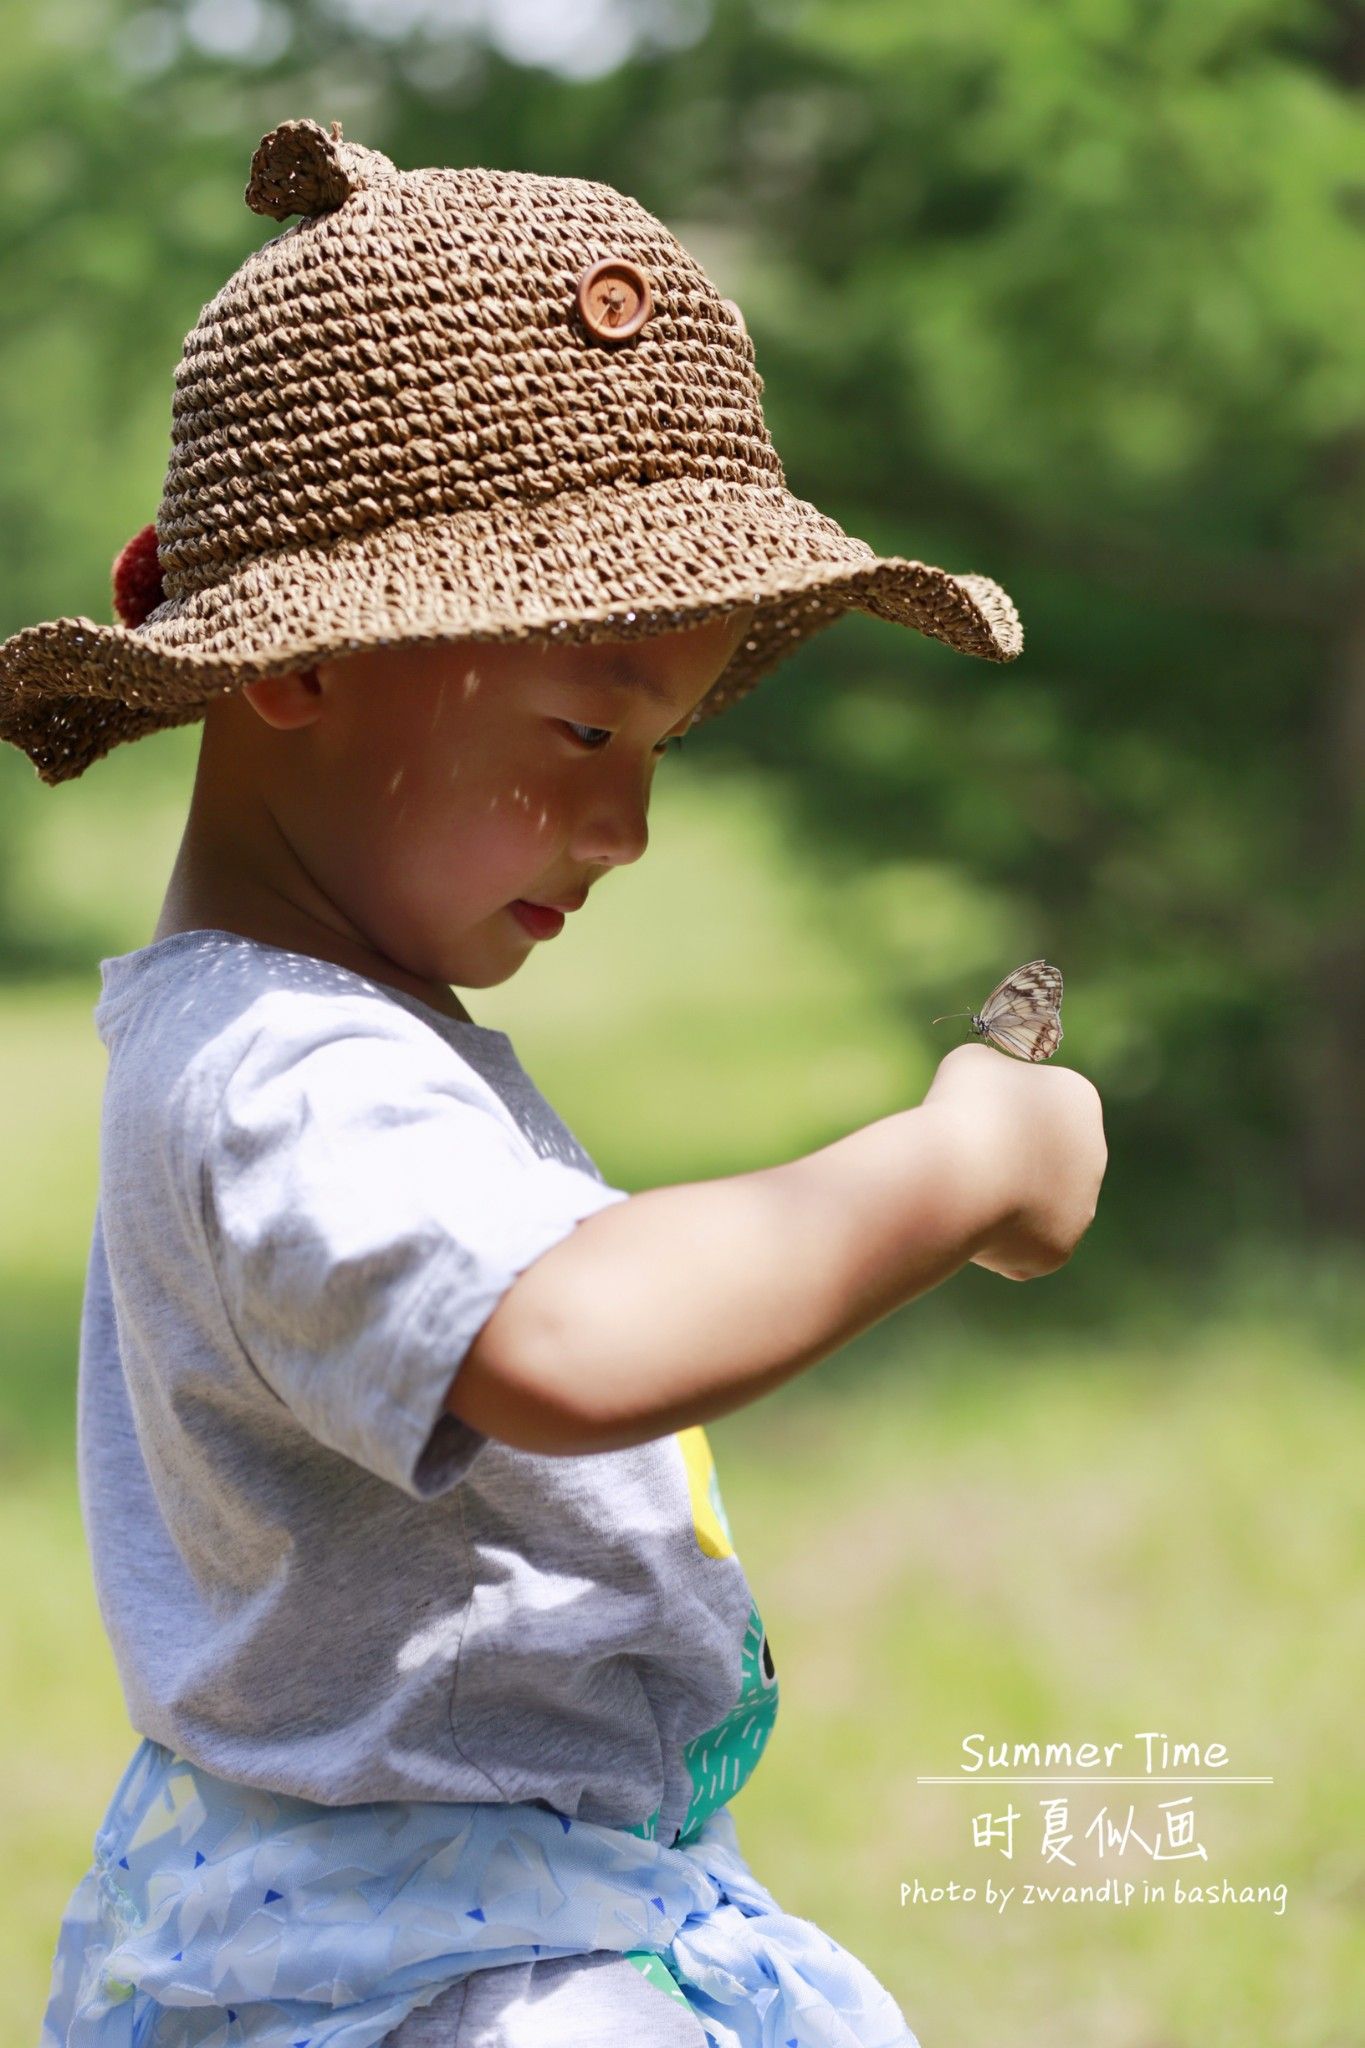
[688, 1301]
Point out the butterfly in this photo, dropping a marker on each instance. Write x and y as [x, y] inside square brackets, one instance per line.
[1021, 1014]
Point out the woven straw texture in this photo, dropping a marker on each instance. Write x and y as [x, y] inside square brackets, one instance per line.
[397, 422]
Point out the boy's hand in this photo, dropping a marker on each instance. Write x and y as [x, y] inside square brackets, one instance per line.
[1043, 1128]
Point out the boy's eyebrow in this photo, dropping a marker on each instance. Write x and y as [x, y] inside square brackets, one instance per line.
[623, 672]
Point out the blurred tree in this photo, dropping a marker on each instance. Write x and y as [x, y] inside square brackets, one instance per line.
[1102, 263]
[1068, 291]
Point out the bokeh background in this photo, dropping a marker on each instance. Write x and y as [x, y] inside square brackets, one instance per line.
[1069, 292]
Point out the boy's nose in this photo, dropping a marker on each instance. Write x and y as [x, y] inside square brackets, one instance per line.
[610, 834]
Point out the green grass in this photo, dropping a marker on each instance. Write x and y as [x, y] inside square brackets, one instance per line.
[1075, 1550]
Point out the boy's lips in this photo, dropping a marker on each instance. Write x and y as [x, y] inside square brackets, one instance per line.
[574, 903]
[541, 920]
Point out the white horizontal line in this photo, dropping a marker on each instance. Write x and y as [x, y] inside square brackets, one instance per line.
[995, 1779]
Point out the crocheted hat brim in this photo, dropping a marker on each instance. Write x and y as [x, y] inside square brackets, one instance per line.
[615, 562]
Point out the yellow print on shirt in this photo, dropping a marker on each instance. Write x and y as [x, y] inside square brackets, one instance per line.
[708, 1511]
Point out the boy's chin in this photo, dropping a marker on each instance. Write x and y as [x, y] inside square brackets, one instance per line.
[488, 967]
[492, 977]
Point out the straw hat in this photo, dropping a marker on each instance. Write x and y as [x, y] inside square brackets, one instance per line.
[447, 404]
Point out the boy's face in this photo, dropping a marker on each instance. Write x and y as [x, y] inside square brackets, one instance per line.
[421, 792]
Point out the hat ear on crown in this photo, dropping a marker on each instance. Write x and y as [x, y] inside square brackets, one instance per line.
[300, 168]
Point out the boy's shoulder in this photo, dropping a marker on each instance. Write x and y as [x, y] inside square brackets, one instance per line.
[198, 1014]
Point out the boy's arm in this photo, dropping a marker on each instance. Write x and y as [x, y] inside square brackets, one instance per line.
[685, 1302]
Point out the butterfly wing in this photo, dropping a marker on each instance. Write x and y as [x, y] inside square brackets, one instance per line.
[1026, 1038]
[1020, 1016]
[1034, 990]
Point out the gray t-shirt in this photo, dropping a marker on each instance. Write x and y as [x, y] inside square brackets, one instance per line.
[314, 1190]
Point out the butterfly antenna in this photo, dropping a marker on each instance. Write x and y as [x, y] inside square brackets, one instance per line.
[952, 1013]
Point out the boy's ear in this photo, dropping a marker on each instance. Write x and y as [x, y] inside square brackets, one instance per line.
[286, 701]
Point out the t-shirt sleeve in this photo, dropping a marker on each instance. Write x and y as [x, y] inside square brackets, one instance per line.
[367, 1206]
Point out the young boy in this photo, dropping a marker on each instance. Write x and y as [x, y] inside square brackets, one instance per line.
[391, 1411]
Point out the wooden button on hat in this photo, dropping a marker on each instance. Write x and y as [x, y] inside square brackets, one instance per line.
[614, 299]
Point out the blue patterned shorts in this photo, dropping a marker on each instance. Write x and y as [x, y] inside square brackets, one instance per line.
[218, 1915]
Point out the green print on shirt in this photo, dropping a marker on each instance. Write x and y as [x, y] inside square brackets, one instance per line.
[720, 1761]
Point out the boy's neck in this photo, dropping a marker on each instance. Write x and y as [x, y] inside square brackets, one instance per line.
[235, 872]
[190, 907]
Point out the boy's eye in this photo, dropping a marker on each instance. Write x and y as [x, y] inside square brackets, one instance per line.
[591, 736]
[594, 737]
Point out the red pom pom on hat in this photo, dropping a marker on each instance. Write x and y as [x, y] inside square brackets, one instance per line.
[137, 578]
